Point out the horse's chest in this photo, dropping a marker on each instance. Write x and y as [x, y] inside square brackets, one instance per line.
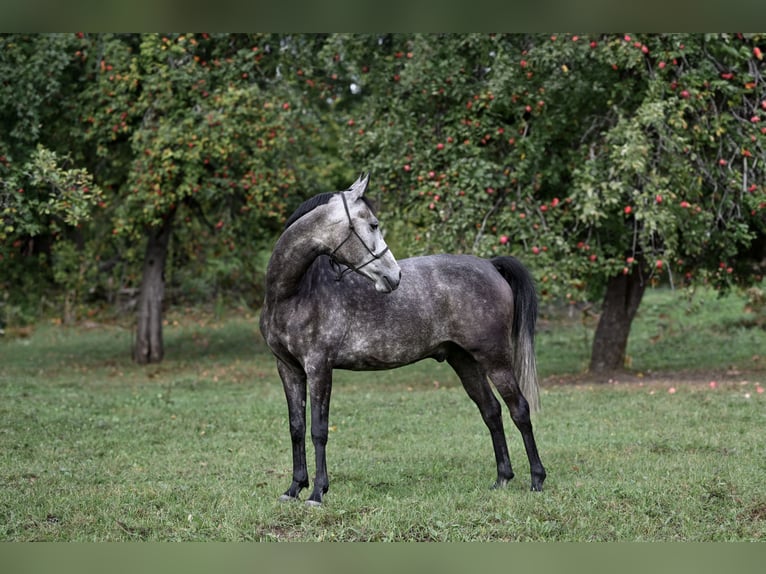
[298, 331]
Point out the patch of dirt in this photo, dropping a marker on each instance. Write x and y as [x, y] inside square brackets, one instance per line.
[687, 377]
[758, 512]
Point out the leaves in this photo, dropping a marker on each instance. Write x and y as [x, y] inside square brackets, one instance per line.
[553, 141]
[602, 124]
[45, 195]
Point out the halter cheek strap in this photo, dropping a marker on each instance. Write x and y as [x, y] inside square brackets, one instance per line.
[352, 231]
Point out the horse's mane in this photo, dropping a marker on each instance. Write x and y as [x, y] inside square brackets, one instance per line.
[314, 202]
[308, 205]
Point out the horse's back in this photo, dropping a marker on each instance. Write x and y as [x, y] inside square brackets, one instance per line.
[463, 280]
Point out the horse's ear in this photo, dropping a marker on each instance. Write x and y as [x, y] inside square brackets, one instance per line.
[358, 188]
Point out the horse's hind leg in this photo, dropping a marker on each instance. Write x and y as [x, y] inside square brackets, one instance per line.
[294, 383]
[475, 382]
[507, 386]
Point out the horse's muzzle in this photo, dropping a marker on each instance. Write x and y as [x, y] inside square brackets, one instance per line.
[391, 283]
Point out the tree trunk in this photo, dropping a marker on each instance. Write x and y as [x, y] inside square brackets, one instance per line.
[623, 296]
[148, 347]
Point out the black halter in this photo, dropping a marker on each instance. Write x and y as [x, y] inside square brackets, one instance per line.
[337, 265]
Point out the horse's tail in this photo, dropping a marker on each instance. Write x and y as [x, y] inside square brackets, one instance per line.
[523, 328]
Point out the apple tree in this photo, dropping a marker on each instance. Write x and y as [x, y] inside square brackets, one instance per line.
[207, 132]
[607, 162]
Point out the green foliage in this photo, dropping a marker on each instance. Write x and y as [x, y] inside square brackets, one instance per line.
[216, 132]
[208, 124]
[587, 155]
[218, 136]
[46, 197]
[37, 70]
[44, 202]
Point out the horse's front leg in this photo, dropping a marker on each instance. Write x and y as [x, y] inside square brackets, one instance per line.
[320, 387]
[294, 384]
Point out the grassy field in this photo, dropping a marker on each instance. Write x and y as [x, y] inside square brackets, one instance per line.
[94, 448]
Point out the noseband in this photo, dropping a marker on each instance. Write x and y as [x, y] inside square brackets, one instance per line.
[337, 265]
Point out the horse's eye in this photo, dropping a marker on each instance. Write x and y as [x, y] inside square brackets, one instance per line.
[374, 226]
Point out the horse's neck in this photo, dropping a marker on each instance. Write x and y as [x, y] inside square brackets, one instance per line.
[292, 257]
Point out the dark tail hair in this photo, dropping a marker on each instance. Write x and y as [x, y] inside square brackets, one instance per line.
[523, 328]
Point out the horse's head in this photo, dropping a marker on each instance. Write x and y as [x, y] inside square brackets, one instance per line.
[361, 246]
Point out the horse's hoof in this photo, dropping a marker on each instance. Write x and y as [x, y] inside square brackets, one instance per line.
[314, 503]
[287, 498]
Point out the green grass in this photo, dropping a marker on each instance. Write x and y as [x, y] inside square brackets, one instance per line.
[671, 332]
[94, 448]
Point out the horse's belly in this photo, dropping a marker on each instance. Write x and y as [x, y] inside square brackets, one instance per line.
[386, 355]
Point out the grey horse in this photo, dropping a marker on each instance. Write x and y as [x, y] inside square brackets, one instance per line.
[336, 298]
